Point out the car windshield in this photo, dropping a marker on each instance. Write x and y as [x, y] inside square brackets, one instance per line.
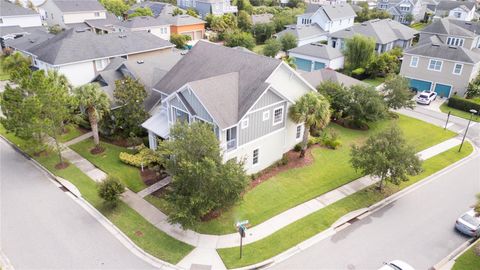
[423, 96]
[396, 267]
[471, 220]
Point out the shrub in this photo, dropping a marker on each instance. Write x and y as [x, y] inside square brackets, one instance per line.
[109, 190]
[463, 104]
[359, 73]
[298, 147]
[283, 161]
[143, 156]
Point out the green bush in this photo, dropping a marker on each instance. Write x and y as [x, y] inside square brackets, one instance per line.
[298, 147]
[143, 156]
[109, 190]
[463, 104]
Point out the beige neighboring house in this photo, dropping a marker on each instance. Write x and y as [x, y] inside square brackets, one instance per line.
[13, 15]
[69, 13]
[159, 26]
[446, 58]
[80, 56]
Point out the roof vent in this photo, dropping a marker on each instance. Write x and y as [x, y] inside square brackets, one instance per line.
[452, 47]
[80, 30]
[140, 62]
[122, 36]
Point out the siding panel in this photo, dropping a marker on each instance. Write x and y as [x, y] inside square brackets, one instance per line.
[257, 127]
[268, 98]
[196, 105]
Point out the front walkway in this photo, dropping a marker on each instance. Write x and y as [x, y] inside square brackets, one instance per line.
[206, 244]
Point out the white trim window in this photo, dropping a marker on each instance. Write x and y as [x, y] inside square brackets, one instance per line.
[266, 115]
[255, 156]
[278, 115]
[101, 64]
[454, 41]
[97, 14]
[414, 61]
[457, 69]
[244, 123]
[298, 134]
[435, 65]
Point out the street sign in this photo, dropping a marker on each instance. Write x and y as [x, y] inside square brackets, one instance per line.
[240, 223]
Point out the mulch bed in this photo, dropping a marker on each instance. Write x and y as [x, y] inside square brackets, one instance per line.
[150, 177]
[294, 161]
[97, 150]
[62, 165]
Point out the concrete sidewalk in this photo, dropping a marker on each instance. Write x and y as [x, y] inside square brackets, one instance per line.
[268, 227]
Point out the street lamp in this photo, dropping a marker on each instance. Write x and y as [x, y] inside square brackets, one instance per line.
[472, 111]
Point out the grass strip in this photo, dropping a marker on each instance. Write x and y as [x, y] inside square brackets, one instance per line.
[468, 260]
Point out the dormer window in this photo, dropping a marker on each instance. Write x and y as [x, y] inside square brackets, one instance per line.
[97, 14]
[454, 41]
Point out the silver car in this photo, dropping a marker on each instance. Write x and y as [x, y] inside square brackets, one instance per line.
[469, 224]
[426, 97]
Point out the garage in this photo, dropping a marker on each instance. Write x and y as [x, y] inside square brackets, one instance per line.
[442, 90]
[318, 65]
[302, 64]
[420, 85]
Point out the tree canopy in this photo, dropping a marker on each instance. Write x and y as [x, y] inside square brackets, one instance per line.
[117, 7]
[288, 41]
[359, 51]
[396, 91]
[130, 94]
[138, 12]
[242, 39]
[272, 47]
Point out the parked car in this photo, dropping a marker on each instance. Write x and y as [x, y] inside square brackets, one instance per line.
[469, 224]
[396, 265]
[426, 97]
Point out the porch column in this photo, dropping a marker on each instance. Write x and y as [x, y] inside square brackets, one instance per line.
[152, 140]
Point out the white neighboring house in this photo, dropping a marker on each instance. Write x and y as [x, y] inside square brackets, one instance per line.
[81, 55]
[319, 21]
[13, 15]
[159, 26]
[244, 96]
[317, 56]
[25, 3]
[401, 9]
[68, 13]
[459, 10]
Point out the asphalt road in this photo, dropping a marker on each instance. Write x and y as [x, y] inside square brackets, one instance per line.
[42, 228]
[417, 228]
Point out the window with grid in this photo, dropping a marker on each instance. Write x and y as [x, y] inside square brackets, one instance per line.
[255, 157]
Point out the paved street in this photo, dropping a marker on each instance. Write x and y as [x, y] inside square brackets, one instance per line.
[42, 228]
[418, 228]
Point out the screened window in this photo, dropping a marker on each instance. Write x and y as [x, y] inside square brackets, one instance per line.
[457, 70]
[435, 65]
[414, 62]
[299, 132]
[278, 116]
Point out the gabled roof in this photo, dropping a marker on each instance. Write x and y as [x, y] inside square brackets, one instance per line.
[71, 46]
[453, 27]
[143, 21]
[434, 48]
[303, 31]
[339, 11]
[207, 62]
[103, 23]
[318, 50]
[78, 5]
[318, 76]
[383, 31]
[181, 19]
[449, 5]
[32, 38]
[10, 9]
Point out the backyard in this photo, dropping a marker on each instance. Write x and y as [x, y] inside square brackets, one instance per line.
[330, 169]
[374, 82]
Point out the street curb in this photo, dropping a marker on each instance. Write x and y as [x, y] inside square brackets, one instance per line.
[362, 214]
[107, 224]
[456, 253]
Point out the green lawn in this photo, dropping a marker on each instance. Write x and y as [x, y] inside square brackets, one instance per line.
[444, 108]
[258, 49]
[468, 260]
[72, 133]
[139, 230]
[319, 221]
[330, 170]
[374, 82]
[109, 162]
[3, 75]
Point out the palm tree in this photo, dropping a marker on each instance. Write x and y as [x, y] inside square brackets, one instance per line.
[96, 103]
[290, 61]
[312, 109]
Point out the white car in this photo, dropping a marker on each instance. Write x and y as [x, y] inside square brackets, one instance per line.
[396, 265]
[469, 224]
[426, 97]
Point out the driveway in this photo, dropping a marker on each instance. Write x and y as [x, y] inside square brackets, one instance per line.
[418, 228]
[41, 227]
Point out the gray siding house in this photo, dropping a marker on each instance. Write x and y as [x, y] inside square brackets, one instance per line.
[205, 7]
[244, 97]
[399, 9]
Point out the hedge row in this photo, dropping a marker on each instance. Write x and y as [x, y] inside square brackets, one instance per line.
[463, 104]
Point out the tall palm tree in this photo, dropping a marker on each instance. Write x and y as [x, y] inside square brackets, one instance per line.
[96, 103]
[312, 109]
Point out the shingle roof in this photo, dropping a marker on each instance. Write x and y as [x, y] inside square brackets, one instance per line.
[181, 19]
[32, 39]
[143, 21]
[339, 11]
[103, 23]
[78, 5]
[156, 7]
[303, 31]
[70, 46]
[261, 18]
[208, 60]
[383, 31]
[449, 5]
[448, 26]
[439, 50]
[318, 76]
[9, 9]
[318, 50]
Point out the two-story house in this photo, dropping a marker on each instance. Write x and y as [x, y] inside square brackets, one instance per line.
[319, 21]
[387, 34]
[244, 96]
[69, 13]
[459, 10]
[446, 58]
[402, 9]
[157, 26]
[81, 55]
[13, 15]
[205, 7]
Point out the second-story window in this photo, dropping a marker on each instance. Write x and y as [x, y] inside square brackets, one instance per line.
[457, 69]
[414, 61]
[435, 65]
[278, 116]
